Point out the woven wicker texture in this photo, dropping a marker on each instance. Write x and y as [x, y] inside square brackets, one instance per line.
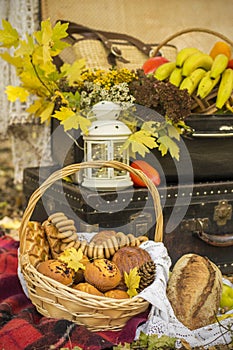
[150, 21]
[96, 55]
[53, 299]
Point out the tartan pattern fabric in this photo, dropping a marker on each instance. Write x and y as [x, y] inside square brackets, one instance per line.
[23, 328]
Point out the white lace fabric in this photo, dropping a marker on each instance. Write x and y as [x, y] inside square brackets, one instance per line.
[162, 320]
[29, 138]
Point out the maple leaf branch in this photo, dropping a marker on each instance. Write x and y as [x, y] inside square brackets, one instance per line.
[39, 78]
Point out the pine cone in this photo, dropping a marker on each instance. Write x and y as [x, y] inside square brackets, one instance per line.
[147, 274]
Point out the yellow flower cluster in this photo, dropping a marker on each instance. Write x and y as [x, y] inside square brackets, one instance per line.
[108, 78]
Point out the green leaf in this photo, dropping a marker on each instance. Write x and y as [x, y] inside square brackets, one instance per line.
[8, 35]
[73, 99]
[16, 92]
[167, 144]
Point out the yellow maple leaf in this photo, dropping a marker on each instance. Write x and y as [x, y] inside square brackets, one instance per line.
[141, 141]
[166, 143]
[173, 132]
[15, 61]
[16, 92]
[76, 121]
[132, 281]
[47, 111]
[63, 113]
[35, 107]
[8, 35]
[25, 47]
[151, 128]
[73, 71]
[72, 258]
[72, 120]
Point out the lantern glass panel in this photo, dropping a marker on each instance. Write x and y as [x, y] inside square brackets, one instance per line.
[99, 151]
[120, 156]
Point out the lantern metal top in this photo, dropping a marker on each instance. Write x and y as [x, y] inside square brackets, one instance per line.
[108, 128]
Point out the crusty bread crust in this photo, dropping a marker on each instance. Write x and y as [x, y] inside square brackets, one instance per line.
[194, 290]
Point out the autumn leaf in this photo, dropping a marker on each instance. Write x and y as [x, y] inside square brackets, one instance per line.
[151, 127]
[73, 72]
[72, 120]
[72, 258]
[35, 107]
[47, 111]
[173, 132]
[51, 37]
[16, 92]
[63, 113]
[141, 141]
[77, 121]
[15, 61]
[167, 144]
[25, 47]
[132, 281]
[8, 35]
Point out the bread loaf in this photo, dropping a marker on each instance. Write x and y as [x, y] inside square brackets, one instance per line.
[194, 290]
[126, 258]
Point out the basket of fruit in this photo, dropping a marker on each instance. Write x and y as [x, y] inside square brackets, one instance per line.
[86, 282]
[208, 77]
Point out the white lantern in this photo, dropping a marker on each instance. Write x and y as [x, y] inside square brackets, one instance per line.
[104, 142]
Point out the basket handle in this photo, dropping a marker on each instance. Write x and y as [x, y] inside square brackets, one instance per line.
[73, 168]
[189, 30]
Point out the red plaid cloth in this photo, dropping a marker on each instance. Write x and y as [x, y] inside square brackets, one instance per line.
[23, 328]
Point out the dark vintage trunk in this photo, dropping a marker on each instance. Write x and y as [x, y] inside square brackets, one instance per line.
[197, 217]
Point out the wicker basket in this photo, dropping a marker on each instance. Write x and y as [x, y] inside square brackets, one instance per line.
[53, 299]
[207, 104]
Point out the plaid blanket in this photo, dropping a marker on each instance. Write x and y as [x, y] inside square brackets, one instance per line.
[23, 328]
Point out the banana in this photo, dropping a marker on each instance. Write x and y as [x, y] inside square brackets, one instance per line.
[183, 54]
[191, 82]
[225, 88]
[163, 72]
[196, 60]
[219, 65]
[176, 76]
[206, 85]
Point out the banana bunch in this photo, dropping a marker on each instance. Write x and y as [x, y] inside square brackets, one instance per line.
[199, 73]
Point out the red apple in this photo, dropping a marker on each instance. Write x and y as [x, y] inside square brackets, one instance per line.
[148, 170]
[153, 63]
[230, 64]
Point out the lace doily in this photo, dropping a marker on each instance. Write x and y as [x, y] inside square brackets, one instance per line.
[162, 320]
[15, 122]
